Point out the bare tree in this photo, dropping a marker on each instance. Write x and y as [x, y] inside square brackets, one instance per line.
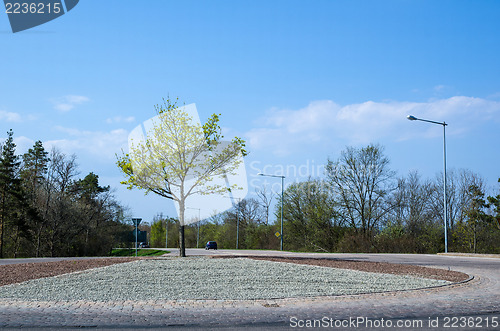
[412, 203]
[311, 217]
[265, 200]
[59, 210]
[361, 181]
[458, 184]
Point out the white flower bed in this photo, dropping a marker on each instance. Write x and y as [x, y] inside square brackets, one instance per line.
[205, 278]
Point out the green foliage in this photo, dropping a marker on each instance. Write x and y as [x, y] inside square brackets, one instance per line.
[46, 211]
[157, 235]
[311, 221]
[35, 166]
[12, 197]
[157, 238]
[494, 204]
[412, 229]
[355, 242]
[88, 188]
[260, 236]
[478, 233]
[140, 252]
[176, 150]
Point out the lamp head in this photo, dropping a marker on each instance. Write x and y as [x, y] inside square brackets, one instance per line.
[411, 118]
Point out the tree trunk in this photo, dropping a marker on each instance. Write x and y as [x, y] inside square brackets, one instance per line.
[38, 241]
[1, 239]
[2, 215]
[16, 241]
[182, 240]
[475, 238]
[182, 243]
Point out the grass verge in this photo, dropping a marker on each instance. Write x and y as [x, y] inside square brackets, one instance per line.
[140, 252]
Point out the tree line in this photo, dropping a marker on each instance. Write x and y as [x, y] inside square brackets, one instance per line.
[46, 210]
[360, 205]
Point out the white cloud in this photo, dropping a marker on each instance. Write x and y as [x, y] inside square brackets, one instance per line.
[103, 145]
[23, 144]
[120, 119]
[325, 122]
[68, 102]
[9, 116]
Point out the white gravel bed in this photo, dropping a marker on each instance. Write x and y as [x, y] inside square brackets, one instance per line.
[205, 278]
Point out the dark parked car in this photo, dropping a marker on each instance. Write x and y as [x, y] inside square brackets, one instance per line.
[211, 245]
[143, 245]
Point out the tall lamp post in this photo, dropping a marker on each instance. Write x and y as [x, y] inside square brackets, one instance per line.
[282, 185]
[413, 118]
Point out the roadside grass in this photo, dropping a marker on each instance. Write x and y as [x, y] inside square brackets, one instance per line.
[140, 252]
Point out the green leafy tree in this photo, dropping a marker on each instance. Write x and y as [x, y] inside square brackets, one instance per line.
[310, 219]
[179, 158]
[158, 234]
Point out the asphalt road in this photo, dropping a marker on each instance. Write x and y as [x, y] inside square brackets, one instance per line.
[430, 260]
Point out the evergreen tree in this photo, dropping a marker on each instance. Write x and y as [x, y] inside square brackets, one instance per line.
[494, 203]
[10, 188]
[33, 176]
[34, 166]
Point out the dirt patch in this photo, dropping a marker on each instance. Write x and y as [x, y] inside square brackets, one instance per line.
[378, 267]
[16, 273]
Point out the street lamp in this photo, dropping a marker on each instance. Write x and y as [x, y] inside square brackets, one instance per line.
[413, 118]
[282, 185]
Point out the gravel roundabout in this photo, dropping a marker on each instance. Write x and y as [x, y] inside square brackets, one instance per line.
[209, 279]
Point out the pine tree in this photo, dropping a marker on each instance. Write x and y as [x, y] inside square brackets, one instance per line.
[494, 203]
[9, 186]
[33, 175]
[34, 166]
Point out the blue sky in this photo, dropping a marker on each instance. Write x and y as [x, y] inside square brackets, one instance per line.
[299, 80]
